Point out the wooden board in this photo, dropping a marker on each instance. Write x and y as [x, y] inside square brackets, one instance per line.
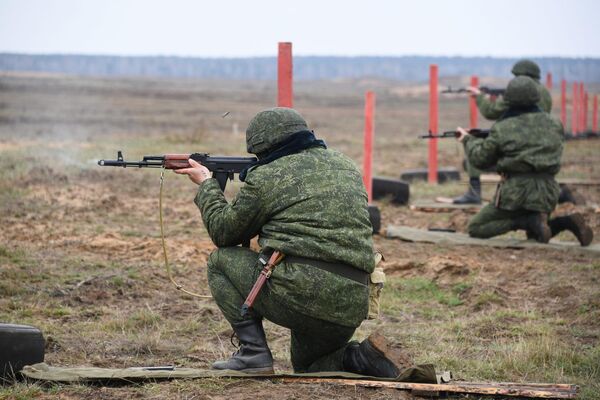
[530, 390]
[439, 206]
[495, 178]
[417, 235]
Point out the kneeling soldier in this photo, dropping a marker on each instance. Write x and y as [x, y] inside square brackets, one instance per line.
[526, 144]
[309, 203]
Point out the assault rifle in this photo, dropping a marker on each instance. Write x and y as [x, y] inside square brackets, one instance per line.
[484, 89]
[223, 168]
[478, 133]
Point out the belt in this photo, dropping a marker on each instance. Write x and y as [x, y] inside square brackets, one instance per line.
[343, 270]
[541, 175]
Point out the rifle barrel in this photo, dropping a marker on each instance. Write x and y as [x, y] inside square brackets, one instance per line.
[125, 164]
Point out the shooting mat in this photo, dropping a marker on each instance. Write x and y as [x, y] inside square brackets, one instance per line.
[44, 372]
[416, 235]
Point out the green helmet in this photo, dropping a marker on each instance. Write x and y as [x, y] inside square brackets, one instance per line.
[527, 68]
[270, 127]
[522, 91]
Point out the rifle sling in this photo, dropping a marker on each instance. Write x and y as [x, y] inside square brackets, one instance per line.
[343, 270]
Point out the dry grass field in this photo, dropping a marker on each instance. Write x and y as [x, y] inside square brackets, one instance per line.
[80, 253]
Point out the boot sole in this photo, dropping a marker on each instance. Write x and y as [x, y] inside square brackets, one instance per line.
[585, 234]
[399, 359]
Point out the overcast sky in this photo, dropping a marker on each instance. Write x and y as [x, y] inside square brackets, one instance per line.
[241, 28]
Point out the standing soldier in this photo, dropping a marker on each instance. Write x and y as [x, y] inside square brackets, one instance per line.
[493, 109]
[526, 145]
[309, 203]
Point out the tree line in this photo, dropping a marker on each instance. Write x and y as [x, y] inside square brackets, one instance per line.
[405, 68]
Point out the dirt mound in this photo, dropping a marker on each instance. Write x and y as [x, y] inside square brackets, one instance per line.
[444, 270]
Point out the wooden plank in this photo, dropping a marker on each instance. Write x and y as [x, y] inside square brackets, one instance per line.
[495, 178]
[439, 206]
[545, 391]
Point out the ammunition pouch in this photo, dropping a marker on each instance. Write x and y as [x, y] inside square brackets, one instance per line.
[376, 282]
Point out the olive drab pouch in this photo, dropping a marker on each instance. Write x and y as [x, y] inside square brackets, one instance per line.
[376, 282]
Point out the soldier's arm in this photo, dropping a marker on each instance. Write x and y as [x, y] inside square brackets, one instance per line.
[491, 110]
[230, 224]
[482, 153]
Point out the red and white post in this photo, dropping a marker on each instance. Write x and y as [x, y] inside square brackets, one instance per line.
[575, 110]
[563, 103]
[585, 112]
[549, 81]
[581, 106]
[595, 115]
[284, 75]
[368, 143]
[473, 114]
[432, 173]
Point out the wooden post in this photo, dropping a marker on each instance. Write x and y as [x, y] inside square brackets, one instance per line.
[581, 106]
[284, 75]
[473, 105]
[368, 143]
[433, 123]
[563, 103]
[595, 115]
[574, 110]
[584, 127]
[549, 81]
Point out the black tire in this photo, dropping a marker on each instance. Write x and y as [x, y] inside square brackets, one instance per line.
[375, 218]
[20, 345]
[444, 175]
[398, 190]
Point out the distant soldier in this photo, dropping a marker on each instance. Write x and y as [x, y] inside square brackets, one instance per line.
[526, 145]
[309, 203]
[493, 109]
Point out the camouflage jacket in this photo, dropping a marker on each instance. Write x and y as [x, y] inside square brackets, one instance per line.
[527, 149]
[311, 204]
[493, 109]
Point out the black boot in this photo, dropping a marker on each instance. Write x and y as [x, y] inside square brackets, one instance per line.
[473, 194]
[373, 357]
[575, 224]
[535, 225]
[568, 195]
[253, 356]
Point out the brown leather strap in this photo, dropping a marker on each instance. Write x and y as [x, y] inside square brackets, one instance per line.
[343, 270]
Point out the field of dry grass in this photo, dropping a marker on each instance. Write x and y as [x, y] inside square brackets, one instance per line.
[80, 253]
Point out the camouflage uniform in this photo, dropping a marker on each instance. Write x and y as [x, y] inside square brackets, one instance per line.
[494, 109]
[310, 204]
[526, 145]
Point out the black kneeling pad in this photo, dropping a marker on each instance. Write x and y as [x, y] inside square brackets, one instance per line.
[399, 190]
[444, 175]
[375, 218]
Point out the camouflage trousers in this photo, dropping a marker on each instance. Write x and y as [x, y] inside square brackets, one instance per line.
[491, 221]
[316, 345]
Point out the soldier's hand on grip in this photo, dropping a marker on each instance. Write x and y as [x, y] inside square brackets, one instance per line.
[197, 173]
